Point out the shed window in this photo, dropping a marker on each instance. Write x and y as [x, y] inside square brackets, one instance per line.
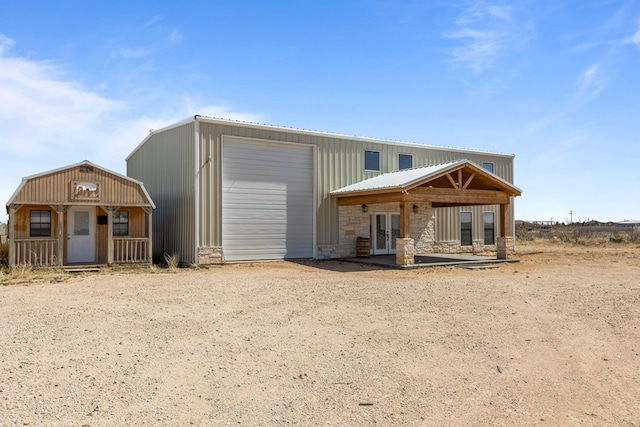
[405, 161]
[372, 160]
[487, 166]
[465, 229]
[489, 228]
[121, 223]
[40, 223]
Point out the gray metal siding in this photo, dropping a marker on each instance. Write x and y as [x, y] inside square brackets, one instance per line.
[339, 162]
[447, 222]
[165, 164]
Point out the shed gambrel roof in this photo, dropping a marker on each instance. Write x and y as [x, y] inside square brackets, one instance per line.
[25, 194]
[410, 178]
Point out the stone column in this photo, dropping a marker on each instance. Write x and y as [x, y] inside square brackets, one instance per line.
[405, 251]
[504, 245]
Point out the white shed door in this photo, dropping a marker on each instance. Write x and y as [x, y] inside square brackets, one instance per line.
[81, 235]
[267, 200]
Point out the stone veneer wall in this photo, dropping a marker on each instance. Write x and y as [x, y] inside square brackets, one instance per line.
[454, 247]
[354, 223]
[422, 228]
[210, 256]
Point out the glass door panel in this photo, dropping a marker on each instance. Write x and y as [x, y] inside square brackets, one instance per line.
[395, 230]
[381, 233]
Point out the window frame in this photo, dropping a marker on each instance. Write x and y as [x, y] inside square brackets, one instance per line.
[493, 166]
[39, 231]
[491, 241]
[377, 160]
[409, 156]
[466, 232]
[120, 225]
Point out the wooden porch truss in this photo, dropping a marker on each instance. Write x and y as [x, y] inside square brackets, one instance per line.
[461, 183]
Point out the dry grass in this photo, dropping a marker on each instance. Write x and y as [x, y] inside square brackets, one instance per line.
[172, 261]
[22, 274]
[578, 235]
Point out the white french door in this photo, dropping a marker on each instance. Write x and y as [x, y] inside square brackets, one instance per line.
[81, 235]
[385, 230]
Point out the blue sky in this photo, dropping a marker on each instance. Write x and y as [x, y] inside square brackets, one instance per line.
[557, 83]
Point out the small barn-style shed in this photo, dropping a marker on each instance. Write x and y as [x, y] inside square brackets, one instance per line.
[81, 214]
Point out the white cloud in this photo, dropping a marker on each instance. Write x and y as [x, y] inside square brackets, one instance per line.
[543, 123]
[635, 38]
[40, 109]
[148, 38]
[484, 31]
[591, 82]
[48, 121]
[5, 43]
[129, 53]
[175, 36]
[501, 12]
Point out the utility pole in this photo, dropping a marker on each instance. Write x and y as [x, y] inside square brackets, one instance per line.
[571, 213]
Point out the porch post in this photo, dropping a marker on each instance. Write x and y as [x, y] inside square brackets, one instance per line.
[504, 240]
[405, 229]
[405, 250]
[12, 235]
[60, 210]
[110, 210]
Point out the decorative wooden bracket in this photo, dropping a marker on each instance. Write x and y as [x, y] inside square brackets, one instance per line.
[466, 184]
[452, 181]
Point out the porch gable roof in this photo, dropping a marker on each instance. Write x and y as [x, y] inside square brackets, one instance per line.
[444, 184]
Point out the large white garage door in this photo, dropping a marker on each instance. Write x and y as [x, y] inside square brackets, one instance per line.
[267, 200]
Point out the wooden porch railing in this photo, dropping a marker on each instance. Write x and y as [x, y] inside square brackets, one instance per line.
[130, 249]
[36, 252]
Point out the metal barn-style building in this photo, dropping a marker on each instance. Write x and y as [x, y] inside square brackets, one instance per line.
[80, 215]
[231, 191]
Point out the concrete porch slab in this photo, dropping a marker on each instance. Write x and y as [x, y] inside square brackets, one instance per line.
[430, 260]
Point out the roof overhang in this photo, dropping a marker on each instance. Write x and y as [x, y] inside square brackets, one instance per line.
[459, 183]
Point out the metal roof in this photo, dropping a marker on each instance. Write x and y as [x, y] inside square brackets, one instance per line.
[221, 121]
[406, 178]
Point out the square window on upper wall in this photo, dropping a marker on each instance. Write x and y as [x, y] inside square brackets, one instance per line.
[487, 166]
[371, 160]
[405, 161]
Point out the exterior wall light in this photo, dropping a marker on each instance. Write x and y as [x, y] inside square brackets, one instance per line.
[365, 208]
[415, 208]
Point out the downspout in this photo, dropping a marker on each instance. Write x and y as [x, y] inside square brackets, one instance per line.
[196, 188]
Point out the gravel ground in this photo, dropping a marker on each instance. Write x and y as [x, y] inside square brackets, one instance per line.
[552, 340]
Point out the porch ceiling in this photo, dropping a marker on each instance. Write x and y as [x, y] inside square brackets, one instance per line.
[459, 183]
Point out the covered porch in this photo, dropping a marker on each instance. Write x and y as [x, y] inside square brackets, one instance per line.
[454, 184]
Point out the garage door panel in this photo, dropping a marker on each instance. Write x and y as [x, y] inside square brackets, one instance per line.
[267, 200]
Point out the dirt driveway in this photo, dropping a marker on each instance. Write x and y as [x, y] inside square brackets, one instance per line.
[552, 340]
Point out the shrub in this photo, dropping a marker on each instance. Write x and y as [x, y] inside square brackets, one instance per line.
[4, 254]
